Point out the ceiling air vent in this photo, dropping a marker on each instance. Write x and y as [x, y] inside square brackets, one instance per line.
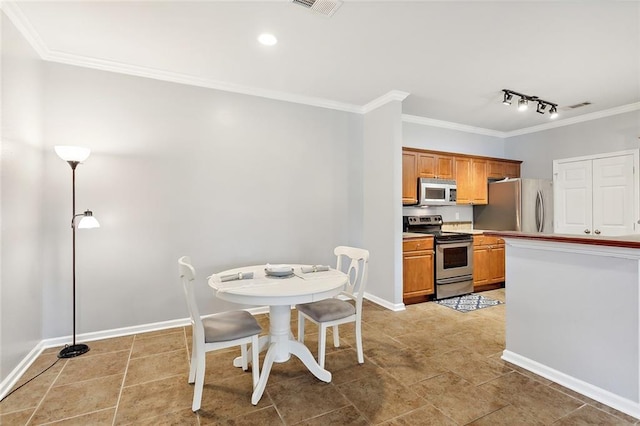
[323, 7]
[580, 105]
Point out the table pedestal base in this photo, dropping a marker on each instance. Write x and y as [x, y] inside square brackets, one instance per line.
[281, 346]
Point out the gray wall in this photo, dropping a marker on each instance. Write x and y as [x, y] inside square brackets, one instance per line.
[21, 207]
[615, 133]
[449, 140]
[382, 217]
[177, 170]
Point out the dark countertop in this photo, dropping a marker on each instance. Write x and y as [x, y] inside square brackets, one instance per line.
[624, 241]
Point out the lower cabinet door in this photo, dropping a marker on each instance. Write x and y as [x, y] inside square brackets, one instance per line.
[418, 279]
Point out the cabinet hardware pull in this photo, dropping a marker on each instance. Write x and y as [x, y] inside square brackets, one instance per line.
[597, 232]
[586, 231]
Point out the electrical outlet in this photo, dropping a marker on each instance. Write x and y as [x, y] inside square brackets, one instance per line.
[457, 215]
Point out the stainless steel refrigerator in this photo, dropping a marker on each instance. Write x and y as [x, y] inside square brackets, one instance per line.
[524, 205]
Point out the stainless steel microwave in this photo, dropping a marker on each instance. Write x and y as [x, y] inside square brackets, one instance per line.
[436, 192]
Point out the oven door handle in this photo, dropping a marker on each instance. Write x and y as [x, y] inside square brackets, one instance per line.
[451, 280]
[442, 246]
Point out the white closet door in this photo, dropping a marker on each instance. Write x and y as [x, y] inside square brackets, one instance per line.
[573, 197]
[613, 196]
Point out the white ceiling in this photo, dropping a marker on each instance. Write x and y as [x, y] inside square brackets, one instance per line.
[452, 57]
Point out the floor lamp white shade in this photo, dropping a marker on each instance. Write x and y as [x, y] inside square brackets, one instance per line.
[72, 153]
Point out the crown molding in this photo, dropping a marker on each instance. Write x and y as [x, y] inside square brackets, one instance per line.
[450, 125]
[580, 119]
[394, 95]
[14, 13]
[156, 74]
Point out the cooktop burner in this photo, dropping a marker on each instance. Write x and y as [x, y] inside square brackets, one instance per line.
[432, 224]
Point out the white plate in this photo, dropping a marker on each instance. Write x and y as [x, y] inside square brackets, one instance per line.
[279, 269]
[279, 273]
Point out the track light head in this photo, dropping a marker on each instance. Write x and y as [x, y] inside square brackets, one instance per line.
[553, 113]
[541, 107]
[507, 97]
[523, 104]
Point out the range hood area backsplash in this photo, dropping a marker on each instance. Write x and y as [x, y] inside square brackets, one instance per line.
[450, 214]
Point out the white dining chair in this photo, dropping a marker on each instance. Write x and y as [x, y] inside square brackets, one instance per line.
[335, 311]
[216, 331]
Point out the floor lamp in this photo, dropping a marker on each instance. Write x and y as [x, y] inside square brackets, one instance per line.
[75, 155]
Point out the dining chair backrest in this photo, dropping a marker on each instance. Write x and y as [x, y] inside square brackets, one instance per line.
[188, 276]
[356, 269]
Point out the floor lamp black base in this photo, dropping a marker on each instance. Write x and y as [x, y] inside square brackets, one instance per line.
[73, 350]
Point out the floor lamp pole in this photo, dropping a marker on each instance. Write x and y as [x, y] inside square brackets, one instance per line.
[74, 349]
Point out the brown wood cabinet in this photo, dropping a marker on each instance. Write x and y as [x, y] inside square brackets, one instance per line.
[488, 262]
[418, 275]
[503, 169]
[432, 165]
[470, 172]
[409, 177]
[471, 180]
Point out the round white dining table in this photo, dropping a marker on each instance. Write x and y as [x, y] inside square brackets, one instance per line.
[279, 293]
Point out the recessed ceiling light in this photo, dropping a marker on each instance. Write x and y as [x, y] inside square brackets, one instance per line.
[267, 39]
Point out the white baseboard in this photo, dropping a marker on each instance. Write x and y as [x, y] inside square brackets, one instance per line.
[624, 405]
[16, 373]
[21, 368]
[384, 303]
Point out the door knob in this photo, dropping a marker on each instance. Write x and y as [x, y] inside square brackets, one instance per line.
[586, 231]
[597, 231]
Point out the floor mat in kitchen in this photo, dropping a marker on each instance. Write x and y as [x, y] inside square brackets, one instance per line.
[468, 302]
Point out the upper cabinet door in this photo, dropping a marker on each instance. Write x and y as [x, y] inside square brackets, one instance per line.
[573, 197]
[409, 177]
[471, 180]
[431, 165]
[613, 195]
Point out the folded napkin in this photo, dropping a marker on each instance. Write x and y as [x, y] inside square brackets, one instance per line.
[314, 268]
[238, 276]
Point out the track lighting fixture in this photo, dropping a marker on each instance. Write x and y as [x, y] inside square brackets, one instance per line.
[523, 103]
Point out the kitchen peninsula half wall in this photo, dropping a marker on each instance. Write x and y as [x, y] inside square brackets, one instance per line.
[573, 313]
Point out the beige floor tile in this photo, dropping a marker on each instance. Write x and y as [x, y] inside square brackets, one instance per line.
[184, 417]
[86, 368]
[343, 416]
[409, 366]
[344, 366]
[315, 396]
[458, 398]
[97, 418]
[264, 417]
[226, 400]
[116, 344]
[30, 395]
[426, 365]
[627, 418]
[153, 399]
[157, 344]
[17, 418]
[75, 399]
[424, 416]
[380, 397]
[508, 416]
[588, 415]
[158, 366]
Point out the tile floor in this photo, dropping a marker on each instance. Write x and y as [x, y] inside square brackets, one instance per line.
[428, 365]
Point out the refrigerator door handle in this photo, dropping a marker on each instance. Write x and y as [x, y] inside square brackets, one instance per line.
[539, 211]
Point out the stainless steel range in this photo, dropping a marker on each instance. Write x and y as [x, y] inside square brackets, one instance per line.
[453, 255]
